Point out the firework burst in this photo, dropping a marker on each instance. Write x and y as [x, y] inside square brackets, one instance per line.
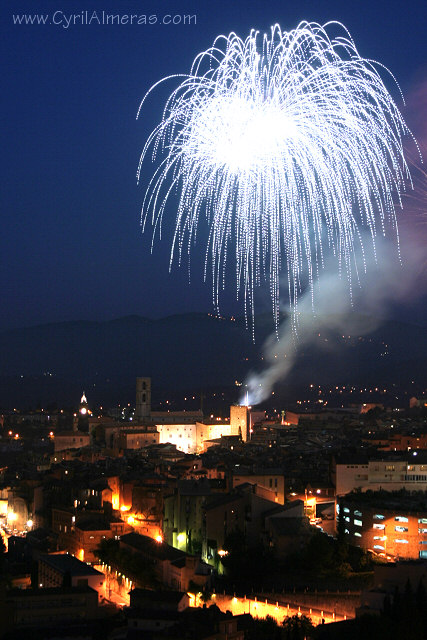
[288, 143]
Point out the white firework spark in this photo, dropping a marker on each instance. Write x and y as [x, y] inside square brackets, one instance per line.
[288, 143]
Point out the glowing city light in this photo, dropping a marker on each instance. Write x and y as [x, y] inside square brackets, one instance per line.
[158, 539]
[289, 143]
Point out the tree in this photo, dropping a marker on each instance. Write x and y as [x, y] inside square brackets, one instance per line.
[297, 627]
[263, 629]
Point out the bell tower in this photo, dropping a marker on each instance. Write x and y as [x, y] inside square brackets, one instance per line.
[143, 399]
[83, 416]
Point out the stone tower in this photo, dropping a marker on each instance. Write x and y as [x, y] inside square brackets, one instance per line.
[143, 398]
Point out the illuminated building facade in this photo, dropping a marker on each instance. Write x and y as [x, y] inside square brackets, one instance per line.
[184, 429]
[183, 436]
[191, 438]
[183, 515]
[391, 472]
[394, 526]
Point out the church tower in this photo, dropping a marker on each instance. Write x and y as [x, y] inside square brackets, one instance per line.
[83, 417]
[143, 399]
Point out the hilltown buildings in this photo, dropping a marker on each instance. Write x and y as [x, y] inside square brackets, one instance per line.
[391, 472]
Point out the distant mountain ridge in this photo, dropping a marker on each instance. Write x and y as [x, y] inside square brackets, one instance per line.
[53, 362]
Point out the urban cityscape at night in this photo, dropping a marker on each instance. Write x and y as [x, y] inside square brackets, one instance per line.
[213, 338]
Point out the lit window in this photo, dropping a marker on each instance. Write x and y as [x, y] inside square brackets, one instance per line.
[357, 534]
[402, 529]
[422, 530]
[423, 554]
[423, 541]
[401, 519]
[378, 516]
[346, 531]
[358, 523]
[358, 513]
[346, 510]
[378, 537]
[422, 520]
[379, 526]
[401, 540]
[347, 518]
[378, 546]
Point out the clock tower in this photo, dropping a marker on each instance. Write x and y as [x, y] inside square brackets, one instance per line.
[83, 417]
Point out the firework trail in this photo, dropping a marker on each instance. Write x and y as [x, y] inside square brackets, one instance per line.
[289, 143]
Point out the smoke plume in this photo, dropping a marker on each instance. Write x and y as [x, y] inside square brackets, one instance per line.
[385, 281]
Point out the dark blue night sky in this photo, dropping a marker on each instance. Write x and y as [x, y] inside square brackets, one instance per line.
[71, 244]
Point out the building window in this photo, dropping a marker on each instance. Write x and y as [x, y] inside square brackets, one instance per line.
[378, 516]
[379, 526]
[402, 529]
[423, 554]
[401, 540]
[358, 513]
[378, 537]
[422, 530]
[422, 520]
[401, 519]
[358, 523]
[378, 546]
[346, 510]
[357, 534]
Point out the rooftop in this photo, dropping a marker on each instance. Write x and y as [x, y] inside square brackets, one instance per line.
[148, 546]
[46, 592]
[64, 562]
[403, 500]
